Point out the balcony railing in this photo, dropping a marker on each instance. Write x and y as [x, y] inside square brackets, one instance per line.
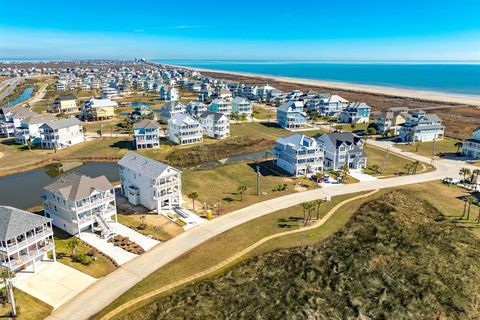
[28, 241]
[17, 262]
[95, 203]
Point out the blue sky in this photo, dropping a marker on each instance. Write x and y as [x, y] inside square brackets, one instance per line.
[313, 30]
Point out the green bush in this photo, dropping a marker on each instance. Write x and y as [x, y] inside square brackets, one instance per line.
[82, 258]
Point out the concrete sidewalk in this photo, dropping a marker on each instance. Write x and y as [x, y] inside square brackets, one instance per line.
[116, 253]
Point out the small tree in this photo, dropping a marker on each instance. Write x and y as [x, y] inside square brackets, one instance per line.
[464, 172]
[415, 166]
[72, 244]
[29, 144]
[458, 145]
[376, 168]
[318, 203]
[307, 208]
[353, 126]
[193, 196]
[470, 200]
[142, 225]
[371, 131]
[408, 167]
[241, 190]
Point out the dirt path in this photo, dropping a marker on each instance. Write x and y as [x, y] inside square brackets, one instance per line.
[224, 263]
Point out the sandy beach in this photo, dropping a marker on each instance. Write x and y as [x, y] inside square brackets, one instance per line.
[379, 90]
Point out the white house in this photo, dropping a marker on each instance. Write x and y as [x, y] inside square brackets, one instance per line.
[196, 108]
[110, 93]
[59, 134]
[183, 129]
[168, 93]
[471, 147]
[170, 109]
[77, 203]
[150, 183]
[11, 118]
[330, 105]
[299, 155]
[29, 129]
[242, 106]
[342, 148]
[25, 238]
[421, 126]
[390, 119]
[222, 106]
[146, 134]
[215, 125]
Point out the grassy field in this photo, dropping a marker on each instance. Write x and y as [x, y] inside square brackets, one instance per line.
[263, 113]
[218, 186]
[28, 307]
[444, 198]
[100, 267]
[445, 146]
[157, 226]
[270, 131]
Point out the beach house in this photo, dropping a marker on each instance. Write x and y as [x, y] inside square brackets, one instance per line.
[421, 126]
[60, 134]
[146, 134]
[98, 109]
[11, 118]
[168, 93]
[222, 106]
[215, 125]
[242, 107]
[29, 129]
[65, 104]
[77, 203]
[150, 183]
[25, 239]
[299, 155]
[170, 109]
[342, 148]
[390, 120]
[329, 105]
[355, 112]
[471, 147]
[196, 108]
[183, 129]
[290, 115]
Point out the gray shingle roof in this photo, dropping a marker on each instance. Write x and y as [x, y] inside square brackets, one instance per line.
[146, 166]
[216, 115]
[62, 123]
[337, 138]
[75, 186]
[15, 222]
[64, 98]
[146, 124]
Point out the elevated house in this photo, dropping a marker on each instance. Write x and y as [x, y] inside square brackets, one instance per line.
[471, 147]
[60, 134]
[242, 106]
[65, 104]
[342, 148]
[355, 112]
[146, 134]
[168, 93]
[196, 108]
[25, 239]
[215, 125]
[222, 106]
[171, 109]
[99, 109]
[421, 126]
[329, 105]
[29, 129]
[150, 183]
[290, 115]
[78, 203]
[11, 118]
[391, 120]
[183, 129]
[299, 155]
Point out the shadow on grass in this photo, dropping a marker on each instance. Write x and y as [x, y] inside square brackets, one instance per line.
[271, 125]
[268, 168]
[123, 145]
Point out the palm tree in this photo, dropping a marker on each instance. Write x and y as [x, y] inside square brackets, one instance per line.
[464, 172]
[470, 200]
[415, 166]
[29, 144]
[72, 244]
[308, 169]
[458, 145]
[408, 167]
[193, 196]
[475, 174]
[345, 171]
[371, 131]
[241, 189]
[307, 211]
[318, 203]
[376, 168]
[465, 200]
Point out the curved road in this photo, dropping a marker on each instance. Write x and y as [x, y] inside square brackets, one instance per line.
[11, 84]
[107, 289]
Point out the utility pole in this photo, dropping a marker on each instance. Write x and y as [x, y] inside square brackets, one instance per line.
[11, 295]
[258, 180]
[433, 151]
[385, 160]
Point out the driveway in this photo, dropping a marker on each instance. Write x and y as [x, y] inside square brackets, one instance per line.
[106, 290]
[54, 283]
[116, 253]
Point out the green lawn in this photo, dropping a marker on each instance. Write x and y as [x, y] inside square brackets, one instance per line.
[100, 267]
[263, 113]
[445, 146]
[270, 131]
[219, 185]
[157, 226]
[214, 251]
[28, 307]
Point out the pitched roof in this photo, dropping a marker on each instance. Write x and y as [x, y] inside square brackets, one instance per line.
[146, 166]
[291, 104]
[15, 222]
[64, 98]
[337, 138]
[62, 123]
[181, 118]
[75, 186]
[146, 124]
[216, 115]
[297, 141]
[100, 103]
[239, 99]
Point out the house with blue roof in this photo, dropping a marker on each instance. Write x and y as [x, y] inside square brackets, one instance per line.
[356, 112]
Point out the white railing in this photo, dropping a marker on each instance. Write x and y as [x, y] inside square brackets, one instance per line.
[26, 242]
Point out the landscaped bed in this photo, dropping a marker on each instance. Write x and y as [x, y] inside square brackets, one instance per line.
[155, 225]
[126, 244]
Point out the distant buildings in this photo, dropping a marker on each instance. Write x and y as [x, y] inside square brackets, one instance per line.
[65, 104]
[355, 112]
[25, 238]
[471, 147]
[290, 115]
[146, 134]
[421, 126]
[99, 109]
[327, 105]
[242, 107]
[215, 125]
[150, 183]
[60, 134]
[342, 149]
[183, 129]
[299, 155]
[77, 203]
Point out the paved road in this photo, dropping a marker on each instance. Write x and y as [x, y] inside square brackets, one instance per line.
[12, 83]
[107, 289]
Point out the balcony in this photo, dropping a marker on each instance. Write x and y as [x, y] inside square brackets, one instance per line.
[95, 203]
[106, 213]
[26, 242]
[17, 262]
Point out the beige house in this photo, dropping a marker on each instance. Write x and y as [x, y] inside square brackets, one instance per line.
[65, 104]
[99, 109]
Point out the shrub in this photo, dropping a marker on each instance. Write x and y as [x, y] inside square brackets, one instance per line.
[82, 258]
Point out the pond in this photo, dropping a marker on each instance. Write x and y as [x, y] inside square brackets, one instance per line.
[136, 104]
[24, 190]
[26, 94]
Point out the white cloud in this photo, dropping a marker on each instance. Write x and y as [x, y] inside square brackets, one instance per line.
[186, 27]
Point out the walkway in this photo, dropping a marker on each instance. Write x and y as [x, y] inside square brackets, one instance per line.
[112, 286]
[54, 283]
[145, 242]
[116, 253]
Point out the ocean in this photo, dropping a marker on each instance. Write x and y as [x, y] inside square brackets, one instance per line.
[449, 77]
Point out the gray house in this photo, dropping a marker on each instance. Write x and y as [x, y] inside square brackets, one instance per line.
[342, 148]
